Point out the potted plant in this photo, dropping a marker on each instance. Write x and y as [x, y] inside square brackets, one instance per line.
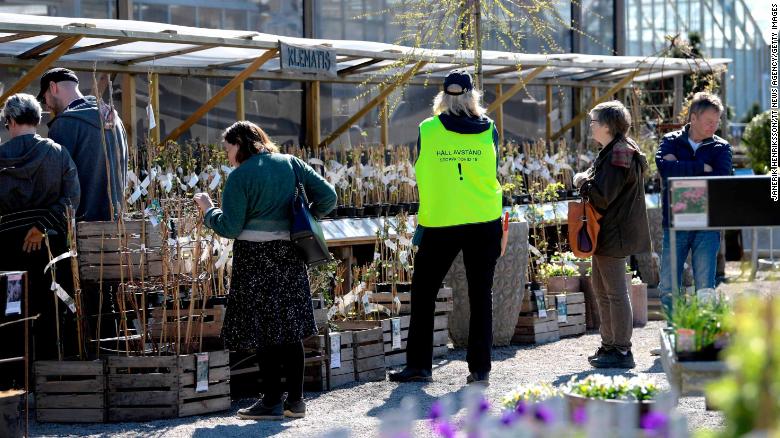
[597, 388]
[698, 327]
[560, 277]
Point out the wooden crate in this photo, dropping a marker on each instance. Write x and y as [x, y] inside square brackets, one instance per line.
[121, 255]
[316, 362]
[345, 372]
[444, 302]
[368, 347]
[217, 397]
[70, 392]
[531, 329]
[320, 313]
[210, 320]
[441, 322]
[142, 388]
[575, 314]
[687, 378]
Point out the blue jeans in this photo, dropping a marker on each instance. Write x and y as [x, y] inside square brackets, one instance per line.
[704, 246]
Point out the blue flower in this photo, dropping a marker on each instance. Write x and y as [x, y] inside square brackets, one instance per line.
[655, 423]
[544, 414]
[436, 411]
[579, 416]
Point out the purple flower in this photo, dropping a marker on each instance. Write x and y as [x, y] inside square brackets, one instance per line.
[579, 416]
[436, 411]
[483, 407]
[444, 429]
[509, 417]
[655, 423]
[521, 408]
[544, 414]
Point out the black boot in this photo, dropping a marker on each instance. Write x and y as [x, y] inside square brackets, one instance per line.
[600, 352]
[259, 411]
[411, 375]
[614, 359]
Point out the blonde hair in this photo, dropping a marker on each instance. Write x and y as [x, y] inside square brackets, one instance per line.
[466, 103]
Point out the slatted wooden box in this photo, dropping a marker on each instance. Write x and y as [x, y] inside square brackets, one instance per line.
[217, 397]
[368, 347]
[142, 388]
[575, 314]
[441, 322]
[206, 323]
[345, 372]
[70, 392]
[122, 255]
[316, 362]
[533, 329]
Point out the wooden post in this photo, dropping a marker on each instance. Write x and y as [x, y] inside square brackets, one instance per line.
[678, 97]
[35, 72]
[548, 111]
[313, 114]
[372, 103]
[154, 98]
[227, 89]
[240, 108]
[609, 93]
[515, 88]
[130, 114]
[500, 115]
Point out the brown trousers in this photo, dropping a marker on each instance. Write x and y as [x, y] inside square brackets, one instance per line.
[609, 284]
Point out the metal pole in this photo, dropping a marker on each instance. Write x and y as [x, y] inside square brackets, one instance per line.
[673, 257]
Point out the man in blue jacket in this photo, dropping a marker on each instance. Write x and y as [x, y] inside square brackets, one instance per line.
[694, 150]
[79, 124]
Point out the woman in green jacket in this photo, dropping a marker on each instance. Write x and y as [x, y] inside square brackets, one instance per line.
[269, 306]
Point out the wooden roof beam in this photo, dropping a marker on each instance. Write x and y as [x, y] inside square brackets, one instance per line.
[346, 71]
[372, 103]
[602, 98]
[35, 72]
[97, 46]
[237, 81]
[17, 36]
[167, 54]
[523, 81]
[41, 48]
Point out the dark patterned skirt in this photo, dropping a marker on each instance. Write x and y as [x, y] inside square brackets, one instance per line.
[270, 300]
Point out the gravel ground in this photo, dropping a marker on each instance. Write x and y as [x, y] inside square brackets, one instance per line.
[359, 407]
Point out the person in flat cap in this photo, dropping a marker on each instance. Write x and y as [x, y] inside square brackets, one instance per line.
[460, 210]
[82, 124]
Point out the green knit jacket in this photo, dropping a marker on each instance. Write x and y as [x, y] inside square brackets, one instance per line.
[258, 195]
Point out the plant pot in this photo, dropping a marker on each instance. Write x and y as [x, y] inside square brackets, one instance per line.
[414, 207]
[347, 211]
[359, 212]
[393, 209]
[372, 210]
[506, 202]
[403, 287]
[384, 209]
[10, 413]
[563, 284]
[592, 317]
[562, 194]
[404, 206]
[522, 199]
[384, 287]
[638, 294]
[709, 353]
[583, 267]
[577, 402]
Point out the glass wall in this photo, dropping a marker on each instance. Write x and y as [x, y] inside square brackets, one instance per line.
[598, 27]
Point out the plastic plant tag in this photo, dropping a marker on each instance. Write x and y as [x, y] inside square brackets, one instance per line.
[202, 372]
[61, 294]
[685, 340]
[395, 324]
[560, 304]
[215, 181]
[540, 304]
[335, 350]
[13, 297]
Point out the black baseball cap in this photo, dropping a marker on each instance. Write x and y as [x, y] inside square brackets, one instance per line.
[458, 77]
[55, 75]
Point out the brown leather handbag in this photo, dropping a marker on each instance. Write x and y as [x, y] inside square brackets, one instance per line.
[583, 228]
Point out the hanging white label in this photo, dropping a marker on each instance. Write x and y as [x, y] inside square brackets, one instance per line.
[390, 244]
[226, 170]
[202, 372]
[335, 350]
[150, 116]
[215, 181]
[145, 183]
[62, 295]
[395, 324]
[560, 304]
[134, 197]
[193, 180]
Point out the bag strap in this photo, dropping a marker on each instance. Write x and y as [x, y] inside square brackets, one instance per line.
[299, 189]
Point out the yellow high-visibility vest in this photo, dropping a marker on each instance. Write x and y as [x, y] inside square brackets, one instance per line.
[456, 176]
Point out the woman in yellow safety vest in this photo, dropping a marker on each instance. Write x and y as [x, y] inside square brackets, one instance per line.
[460, 210]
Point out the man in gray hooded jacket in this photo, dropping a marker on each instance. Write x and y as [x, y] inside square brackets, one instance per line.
[93, 134]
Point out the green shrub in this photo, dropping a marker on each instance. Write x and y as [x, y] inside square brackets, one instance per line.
[756, 138]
